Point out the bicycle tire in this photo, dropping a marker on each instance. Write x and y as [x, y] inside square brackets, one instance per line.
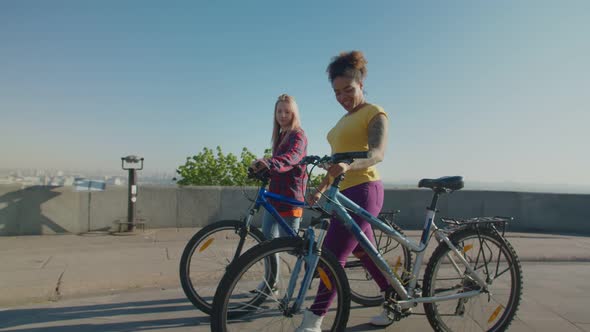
[203, 243]
[235, 309]
[364, 290]
[499, 264]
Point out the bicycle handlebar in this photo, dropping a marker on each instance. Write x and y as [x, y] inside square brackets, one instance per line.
[344, 157]
[262, 175]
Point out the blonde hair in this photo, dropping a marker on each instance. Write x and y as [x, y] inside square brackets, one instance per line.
[295, 123]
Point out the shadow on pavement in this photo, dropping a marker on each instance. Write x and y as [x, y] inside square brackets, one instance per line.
[13, 318]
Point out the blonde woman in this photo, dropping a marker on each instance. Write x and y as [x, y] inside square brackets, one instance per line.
[287, 177]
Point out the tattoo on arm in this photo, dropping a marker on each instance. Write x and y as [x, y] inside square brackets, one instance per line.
[378, 136]
[377, 141]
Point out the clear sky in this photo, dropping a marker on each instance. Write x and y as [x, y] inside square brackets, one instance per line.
[496, 91]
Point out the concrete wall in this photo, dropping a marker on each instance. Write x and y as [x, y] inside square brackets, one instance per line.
[533, 212]
[39, 210]
[55, 210]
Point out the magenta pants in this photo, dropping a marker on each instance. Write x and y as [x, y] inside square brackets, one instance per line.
[340, 242]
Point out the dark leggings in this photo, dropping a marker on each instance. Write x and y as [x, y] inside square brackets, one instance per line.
[342, 243]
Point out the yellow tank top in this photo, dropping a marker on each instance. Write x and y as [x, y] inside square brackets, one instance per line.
[351, 134]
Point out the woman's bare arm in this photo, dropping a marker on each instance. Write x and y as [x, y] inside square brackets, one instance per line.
[377, 143]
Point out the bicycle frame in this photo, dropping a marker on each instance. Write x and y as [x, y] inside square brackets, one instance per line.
[338, 204]
[262, 200]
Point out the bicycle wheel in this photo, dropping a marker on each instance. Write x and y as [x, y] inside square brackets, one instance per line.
[206, 257]
[236, 308]
[495, 260]
[363, 289]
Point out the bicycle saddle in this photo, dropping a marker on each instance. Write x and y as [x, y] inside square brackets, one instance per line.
[445, 183]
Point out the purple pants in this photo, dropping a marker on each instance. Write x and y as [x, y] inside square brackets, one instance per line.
[340, 242]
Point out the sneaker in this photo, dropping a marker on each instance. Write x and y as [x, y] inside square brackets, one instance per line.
[383, 319]
[311, 322]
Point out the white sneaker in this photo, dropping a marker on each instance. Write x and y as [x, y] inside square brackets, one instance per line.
[383, 319]
[311, 322]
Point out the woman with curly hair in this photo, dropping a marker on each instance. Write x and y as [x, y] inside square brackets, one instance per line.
[362, 128]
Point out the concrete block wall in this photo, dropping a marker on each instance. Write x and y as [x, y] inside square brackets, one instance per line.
[55, 210]
[38, 210]
[533, 212]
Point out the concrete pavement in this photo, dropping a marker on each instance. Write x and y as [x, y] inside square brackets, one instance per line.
[554, 299]
[36, 269]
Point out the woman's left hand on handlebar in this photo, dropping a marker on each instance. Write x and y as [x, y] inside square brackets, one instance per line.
[313, 197]
[259, 165]
[337, 169]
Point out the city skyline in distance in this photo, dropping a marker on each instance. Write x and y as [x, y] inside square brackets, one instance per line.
[115, 177]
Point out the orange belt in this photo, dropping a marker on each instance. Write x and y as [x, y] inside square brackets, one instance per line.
[292, 213]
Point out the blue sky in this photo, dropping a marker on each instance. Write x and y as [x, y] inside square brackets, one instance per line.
[494, 91]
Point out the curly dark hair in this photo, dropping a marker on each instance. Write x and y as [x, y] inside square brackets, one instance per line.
[349, 64]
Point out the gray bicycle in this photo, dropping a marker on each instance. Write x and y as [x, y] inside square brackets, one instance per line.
[472, 281]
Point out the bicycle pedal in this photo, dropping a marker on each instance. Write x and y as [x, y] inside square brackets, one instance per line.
[406, 312]
[418, 292]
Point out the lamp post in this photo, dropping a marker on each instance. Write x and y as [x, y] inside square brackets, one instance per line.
[132, 164]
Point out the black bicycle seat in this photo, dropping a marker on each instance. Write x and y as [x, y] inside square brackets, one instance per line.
[445, 183]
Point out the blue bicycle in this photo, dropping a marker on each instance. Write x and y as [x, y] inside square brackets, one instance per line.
[209, 252]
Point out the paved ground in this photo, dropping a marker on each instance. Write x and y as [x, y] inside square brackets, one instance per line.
[99, 282]
[555, 299]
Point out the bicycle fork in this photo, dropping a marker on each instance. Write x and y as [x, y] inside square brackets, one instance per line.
[243, 231]
[311, 257]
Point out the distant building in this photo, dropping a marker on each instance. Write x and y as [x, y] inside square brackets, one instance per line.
[68, 181]
[57, 181]
[115, 181]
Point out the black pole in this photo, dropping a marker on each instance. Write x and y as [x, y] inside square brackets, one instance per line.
[132, 165]
[132, 192]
